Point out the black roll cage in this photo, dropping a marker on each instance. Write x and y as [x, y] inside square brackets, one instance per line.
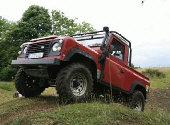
[95, 35]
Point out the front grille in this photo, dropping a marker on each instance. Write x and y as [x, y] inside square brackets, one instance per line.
[39, 47]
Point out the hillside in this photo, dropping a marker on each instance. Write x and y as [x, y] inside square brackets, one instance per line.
[45, 109]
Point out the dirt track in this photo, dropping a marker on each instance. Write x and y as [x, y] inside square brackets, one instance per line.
[159, 99]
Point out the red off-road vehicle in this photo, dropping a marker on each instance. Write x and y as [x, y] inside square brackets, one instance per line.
[79, 65]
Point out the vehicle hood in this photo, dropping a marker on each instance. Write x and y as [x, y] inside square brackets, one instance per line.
[96, 49]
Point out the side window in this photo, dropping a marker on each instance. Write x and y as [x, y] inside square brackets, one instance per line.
[117, 49]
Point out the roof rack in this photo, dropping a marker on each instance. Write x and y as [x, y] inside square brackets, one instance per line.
[89, 36]
[122, 38]
[93, 35]
[87, 33]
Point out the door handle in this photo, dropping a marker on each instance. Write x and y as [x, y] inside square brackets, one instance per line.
[122, 71]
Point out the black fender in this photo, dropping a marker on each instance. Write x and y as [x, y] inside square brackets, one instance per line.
[78, 51]
[138, 86]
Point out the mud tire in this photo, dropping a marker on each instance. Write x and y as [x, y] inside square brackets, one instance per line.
[137, 101]
[26, 85]
[64, 86]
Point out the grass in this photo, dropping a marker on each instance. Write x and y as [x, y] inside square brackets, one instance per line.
[46, 109]
[95, 113]
[157, 82]
[6, 91]
[6, 86]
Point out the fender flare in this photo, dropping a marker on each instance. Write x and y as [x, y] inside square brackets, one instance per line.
[135, 84]
[74, 51]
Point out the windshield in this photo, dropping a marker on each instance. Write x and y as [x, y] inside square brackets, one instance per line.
[90, 39]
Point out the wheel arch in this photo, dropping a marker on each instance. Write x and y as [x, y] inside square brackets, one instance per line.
[77, 55]
[75, 51]
[140, 87]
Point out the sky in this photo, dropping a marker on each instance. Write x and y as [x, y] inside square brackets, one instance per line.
[146, 25]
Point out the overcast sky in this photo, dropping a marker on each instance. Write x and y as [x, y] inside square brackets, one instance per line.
[146, 25]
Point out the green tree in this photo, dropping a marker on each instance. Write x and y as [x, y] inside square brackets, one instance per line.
[5, 68]
[62, 25]
[84, 27]
[4, 28]
[38, 19]
[35, 22]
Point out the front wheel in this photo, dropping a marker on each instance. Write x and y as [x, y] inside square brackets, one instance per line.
[74, 83]
[26, 85]
[137, 101]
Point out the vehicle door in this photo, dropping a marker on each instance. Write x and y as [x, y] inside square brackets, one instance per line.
[114, 65]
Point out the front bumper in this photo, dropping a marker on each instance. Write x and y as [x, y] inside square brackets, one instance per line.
[23, 62]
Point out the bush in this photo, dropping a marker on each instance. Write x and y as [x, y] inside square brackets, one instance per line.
[134, 67]
[8, 73]
[154, 73]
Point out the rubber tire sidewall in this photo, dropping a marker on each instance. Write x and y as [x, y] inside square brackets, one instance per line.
[64, 89]
[137, 95]
[21, 86]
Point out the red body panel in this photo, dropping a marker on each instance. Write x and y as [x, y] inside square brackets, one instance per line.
[113, 66]
[70, 43]
[116, 72]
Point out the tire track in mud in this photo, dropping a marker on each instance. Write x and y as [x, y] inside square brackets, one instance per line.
[159, 99]
[42, 103]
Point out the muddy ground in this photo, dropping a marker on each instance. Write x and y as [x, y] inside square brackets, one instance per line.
[159, 100]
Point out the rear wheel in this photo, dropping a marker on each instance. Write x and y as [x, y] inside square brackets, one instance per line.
[137, 101]
[74, 83]
[26, 85]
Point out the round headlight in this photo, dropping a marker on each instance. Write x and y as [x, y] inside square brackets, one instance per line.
[55, 47]
[60, 41]
[59, 48]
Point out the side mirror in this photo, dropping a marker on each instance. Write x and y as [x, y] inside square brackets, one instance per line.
[111, 49]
